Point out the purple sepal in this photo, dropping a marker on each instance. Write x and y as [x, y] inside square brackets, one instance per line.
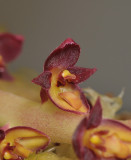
[44, 80]
[66, 55]
[81, 74]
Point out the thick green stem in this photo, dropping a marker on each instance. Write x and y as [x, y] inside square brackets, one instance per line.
[19, 111]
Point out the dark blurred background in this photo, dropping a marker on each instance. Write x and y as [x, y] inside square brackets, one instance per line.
[102, 28]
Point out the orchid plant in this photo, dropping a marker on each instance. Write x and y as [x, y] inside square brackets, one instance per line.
[63, 107]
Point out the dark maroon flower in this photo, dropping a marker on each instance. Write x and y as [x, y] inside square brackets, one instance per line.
[60, 78]
[102, 139]
[10, 48]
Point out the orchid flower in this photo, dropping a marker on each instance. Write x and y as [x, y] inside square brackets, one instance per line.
[20, 142]
[10, 47]
[60, 78]
[102, 139]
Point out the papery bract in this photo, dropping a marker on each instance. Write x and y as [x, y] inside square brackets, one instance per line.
[20, 142]
[10, 48]
[60, 78]
[110, 104]
[102, 139]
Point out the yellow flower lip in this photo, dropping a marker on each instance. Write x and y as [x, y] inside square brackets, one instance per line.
[66, 96]
[72, 98]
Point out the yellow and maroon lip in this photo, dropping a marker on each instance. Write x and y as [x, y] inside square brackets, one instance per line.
[60, 78]
[102, 139]
[20, 142]
[10, 48]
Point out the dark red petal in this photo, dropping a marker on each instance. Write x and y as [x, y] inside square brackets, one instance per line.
[2, 135]
[10, 46]
[81, 73]
[44, 80]
[66, 55]
[88, 154]
[95, 116]
[5, 76]
[84, 99]
[43, 95]
[82, 152]
[77, 138]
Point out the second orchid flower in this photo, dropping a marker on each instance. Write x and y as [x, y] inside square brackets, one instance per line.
[102, 139]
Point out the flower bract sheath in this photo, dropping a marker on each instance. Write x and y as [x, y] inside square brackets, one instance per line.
[20, 142]
[60, 78]
[102, 139]
[10, 48]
